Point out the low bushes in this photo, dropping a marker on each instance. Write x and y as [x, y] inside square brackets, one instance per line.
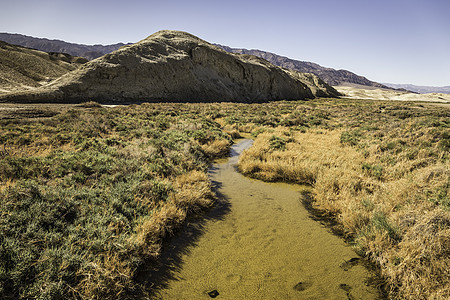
[87, 196]
[90, 199]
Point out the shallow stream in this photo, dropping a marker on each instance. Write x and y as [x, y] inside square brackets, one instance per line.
[260, 243]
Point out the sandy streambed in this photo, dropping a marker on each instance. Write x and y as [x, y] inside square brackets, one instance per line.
[262, 244]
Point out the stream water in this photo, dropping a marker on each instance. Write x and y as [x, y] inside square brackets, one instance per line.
[261, 243]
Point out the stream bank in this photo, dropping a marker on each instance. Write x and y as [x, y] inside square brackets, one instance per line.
[260, 243]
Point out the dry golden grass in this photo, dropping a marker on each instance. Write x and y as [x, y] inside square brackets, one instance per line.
[303, 159]
[231, 130]
[108, 278]
[6, 184]
[386, 214]
[192, 192]
[216, 148]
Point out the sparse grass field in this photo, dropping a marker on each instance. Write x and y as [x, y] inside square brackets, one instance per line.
[88, 195]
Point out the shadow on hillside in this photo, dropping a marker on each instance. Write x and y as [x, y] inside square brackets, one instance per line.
[159, 275]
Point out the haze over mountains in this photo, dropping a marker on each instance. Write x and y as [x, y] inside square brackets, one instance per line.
[420, 88]
[177, 66]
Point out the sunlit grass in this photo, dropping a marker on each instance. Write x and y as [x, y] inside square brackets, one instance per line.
[384, 176]
[87, 196]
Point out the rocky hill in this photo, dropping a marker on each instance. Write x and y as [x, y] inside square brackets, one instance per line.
[177, 66]
[331, 76]
[23, 68]
[87, 51]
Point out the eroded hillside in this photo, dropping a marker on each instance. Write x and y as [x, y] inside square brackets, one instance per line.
[176, 66]
[23, 68]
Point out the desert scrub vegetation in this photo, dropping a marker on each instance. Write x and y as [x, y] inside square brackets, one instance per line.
[381, 170]
[87, 196]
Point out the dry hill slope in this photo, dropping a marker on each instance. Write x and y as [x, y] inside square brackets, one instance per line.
[23, 68]
[47, 45]
[383, 94]
[177, 66]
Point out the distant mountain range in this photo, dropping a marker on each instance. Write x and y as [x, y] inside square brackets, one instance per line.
[87, 51]
[420, 88]
[331, 76]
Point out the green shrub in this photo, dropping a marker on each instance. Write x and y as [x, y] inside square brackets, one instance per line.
[350, 137]
[373, 170]
[380, 222]
[277, 143]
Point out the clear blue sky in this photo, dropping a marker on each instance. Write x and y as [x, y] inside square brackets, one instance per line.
[396, 41]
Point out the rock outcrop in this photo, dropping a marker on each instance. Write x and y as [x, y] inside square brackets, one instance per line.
[177, 66]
